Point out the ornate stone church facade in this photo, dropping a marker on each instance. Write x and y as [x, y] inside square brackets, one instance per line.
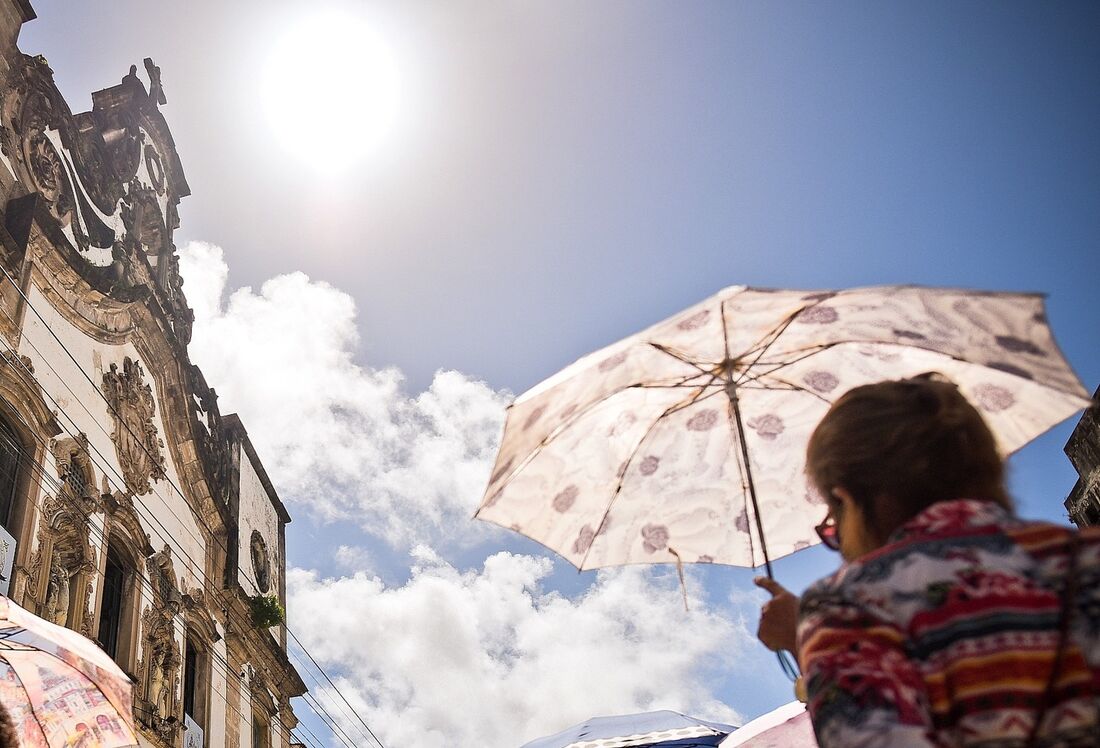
[1083, 450]
[131, 509]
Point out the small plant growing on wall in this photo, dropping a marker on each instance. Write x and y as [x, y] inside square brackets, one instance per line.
[266, 611]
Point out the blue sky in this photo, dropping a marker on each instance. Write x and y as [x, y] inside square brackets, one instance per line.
[568, 173]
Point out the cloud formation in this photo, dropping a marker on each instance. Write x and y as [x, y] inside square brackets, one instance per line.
[341, 438]
[487, 657]
[491, 658]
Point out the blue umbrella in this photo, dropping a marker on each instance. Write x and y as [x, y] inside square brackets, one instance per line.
[660, 729]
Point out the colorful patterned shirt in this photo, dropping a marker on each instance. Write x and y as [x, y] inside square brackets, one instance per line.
[946, 636]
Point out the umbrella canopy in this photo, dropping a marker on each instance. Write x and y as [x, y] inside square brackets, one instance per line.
[665, 728]
[786, 727]
[60, 689]
[686, 442]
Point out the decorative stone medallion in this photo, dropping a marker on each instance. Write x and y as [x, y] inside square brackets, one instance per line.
[261, 562]
[135, 436]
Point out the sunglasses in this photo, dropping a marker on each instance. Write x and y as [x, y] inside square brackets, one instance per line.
[827, 531]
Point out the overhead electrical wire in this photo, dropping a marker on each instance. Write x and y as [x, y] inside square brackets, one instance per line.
[179, 491]
[198, 567]
[138, 506]
[43, 476]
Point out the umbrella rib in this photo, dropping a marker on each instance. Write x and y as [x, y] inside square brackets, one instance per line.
[781, 327]
[725, 331]
[537, 449]
[681, 385]
[791, 387]
[697, 397]
[806, 353]
[678, 356]
[774, 335]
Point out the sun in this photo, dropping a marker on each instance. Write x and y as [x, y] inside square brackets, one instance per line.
[330, 77]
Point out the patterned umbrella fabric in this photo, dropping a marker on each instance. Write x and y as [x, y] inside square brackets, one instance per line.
[60, 689]
[660, 729]
[786, 727]
[658, 448]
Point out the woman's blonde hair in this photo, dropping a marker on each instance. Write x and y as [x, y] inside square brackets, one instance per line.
[910, 443]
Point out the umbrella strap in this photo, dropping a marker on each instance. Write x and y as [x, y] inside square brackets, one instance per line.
[680, 571]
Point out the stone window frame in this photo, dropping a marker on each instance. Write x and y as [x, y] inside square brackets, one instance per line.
[200, 633]
[28, 417]
[131, 555]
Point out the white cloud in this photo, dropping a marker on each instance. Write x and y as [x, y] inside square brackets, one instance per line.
[354, 558]
[490, 658]
[344, 439]
[486, 658]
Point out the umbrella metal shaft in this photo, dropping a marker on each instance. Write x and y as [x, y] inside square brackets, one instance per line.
[731, 391]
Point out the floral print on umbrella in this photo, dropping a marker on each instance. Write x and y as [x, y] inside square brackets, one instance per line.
[992, 398]
[584, 540]
[695, 321]
[704, 420]
[654, 538]
[565, 499]
[819, 315]
[1016, 345]
[677, 470]
[821, 381]
[612, 362]
[768, 426]
[532, 419]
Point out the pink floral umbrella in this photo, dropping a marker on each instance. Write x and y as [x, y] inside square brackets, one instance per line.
[59, 688]
[686, 441]
[786, 727]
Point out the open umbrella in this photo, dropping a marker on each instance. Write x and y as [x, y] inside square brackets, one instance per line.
[60, 689]
[786, 727]
[660, 729]
[685, 442]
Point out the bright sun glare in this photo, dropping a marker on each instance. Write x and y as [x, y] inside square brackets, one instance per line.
[331, 76]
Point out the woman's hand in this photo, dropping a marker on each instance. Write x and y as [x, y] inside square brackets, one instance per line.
[778, 617]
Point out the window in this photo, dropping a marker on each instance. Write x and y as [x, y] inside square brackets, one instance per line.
[260, 734]
[11, 450]
[110, 612]
[193, 683]
[75, 480]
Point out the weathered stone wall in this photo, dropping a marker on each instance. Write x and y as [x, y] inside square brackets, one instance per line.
[1083, 450]
[122, 441]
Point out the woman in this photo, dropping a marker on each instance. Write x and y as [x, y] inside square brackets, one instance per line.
[952, 622]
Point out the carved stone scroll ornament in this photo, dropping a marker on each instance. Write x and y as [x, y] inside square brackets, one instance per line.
[135, 436]
[32, 113]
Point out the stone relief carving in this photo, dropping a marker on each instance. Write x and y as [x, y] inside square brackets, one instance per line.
[135, 436]
[56, 609]
[213, 445]
[64, 563]
[159, 667]
[87, 168]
